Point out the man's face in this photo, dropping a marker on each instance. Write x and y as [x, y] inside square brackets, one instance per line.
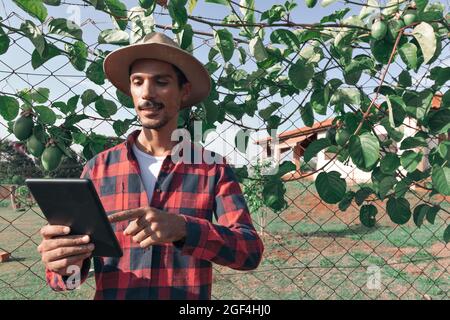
[156, 94]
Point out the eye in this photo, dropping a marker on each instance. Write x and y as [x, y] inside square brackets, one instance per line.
[161, 83]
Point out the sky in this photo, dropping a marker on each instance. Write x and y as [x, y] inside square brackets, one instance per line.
[67, 82]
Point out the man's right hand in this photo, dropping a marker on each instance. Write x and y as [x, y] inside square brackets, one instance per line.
[59, 250]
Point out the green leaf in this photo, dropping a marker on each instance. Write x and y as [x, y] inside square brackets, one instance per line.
[300, 74]
[439, 121]
[432, 212]
[398, 210]
[315, 147]
[9, 108]
[440, 75]
[34, 8]
[364, 150]
[410, 159]
[119, 12]
[426, 38]
[125, 100]
[367, 215]
[346, 201]
[34, 34]
[95, 72]
[113, 36]
[52, 2]
[413, 142]
[362, 194]
[349, 96]
[78, 53]
[408, 53]
[178, 14]
[401, 188]
[440, 177]
[306, 112]
[45, 115]
[267, 112]
[285, 167]
[73, 119]
[66, 28]
[420, 212]
[121, 126]
[447, 234]
[241, 140]
[257, 49]
[72, 104]
[404, 79]
[222, 2]
[186, 37]
[88, 97]
[320, 99]
[224, 41]
[50, 52]
[335, 16]
[105, 108]
[39, 95]
[286, 37]
[390, 163]
[273, 195]
[330, 186]
[4, 42]
[368, 9]
[381, 50]
[386, 184]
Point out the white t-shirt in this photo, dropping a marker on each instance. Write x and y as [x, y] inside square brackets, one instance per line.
[150, 167]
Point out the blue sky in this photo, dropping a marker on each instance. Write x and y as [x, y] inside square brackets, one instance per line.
[69, 79]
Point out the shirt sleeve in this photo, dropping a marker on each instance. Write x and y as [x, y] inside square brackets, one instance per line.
[63, 283]
[233, 242]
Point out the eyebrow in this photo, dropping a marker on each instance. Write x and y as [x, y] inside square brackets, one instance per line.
[158, 76]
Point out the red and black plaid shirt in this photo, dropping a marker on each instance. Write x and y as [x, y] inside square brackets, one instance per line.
[180, 270]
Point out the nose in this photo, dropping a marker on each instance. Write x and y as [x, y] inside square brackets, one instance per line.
[148, 91]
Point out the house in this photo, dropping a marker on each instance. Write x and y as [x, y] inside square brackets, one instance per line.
[293, 143]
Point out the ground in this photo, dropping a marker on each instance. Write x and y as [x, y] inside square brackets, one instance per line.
[312, 251]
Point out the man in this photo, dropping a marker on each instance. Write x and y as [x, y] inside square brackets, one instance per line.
[161, 208]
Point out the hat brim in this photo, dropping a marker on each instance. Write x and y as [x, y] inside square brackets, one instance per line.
[117, 63]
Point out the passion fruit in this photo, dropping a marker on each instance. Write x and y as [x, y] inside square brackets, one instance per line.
[23, 127]
[342, 136]
[378, 30]
[51, 158]
[311, 3]
[34, 146]
[410, 16]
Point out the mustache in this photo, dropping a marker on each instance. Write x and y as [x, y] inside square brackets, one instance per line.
[150, 104]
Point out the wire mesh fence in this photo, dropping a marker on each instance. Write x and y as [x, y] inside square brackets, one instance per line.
[313, 250]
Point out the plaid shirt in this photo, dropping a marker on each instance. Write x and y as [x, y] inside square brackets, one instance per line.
[179, 270]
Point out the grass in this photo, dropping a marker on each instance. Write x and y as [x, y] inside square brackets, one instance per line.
[312, 257]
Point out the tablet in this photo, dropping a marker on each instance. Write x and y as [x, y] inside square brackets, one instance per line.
[75, 203]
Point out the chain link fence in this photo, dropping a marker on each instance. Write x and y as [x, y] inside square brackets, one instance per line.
[313, 250]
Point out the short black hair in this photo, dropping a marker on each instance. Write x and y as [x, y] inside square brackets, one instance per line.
[181, 78]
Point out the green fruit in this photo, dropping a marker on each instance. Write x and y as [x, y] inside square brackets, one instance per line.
[23, 127]
[34, 146]
[146, 3]
[310, 3]
[352, 78]
[379, 30]
[51, 158]
[410, 16]
[342, 137]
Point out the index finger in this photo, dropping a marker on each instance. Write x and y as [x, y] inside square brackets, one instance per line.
[126, 215]
[50, 231]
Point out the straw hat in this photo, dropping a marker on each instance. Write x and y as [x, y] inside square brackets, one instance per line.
[157, 46]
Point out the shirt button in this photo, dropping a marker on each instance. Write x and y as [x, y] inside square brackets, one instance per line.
[158, 190]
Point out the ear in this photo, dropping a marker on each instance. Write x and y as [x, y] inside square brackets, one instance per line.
[186, 91]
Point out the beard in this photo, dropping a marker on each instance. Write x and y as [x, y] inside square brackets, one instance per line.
[157, 123]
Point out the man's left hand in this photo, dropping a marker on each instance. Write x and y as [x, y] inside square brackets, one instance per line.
[151, 226]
